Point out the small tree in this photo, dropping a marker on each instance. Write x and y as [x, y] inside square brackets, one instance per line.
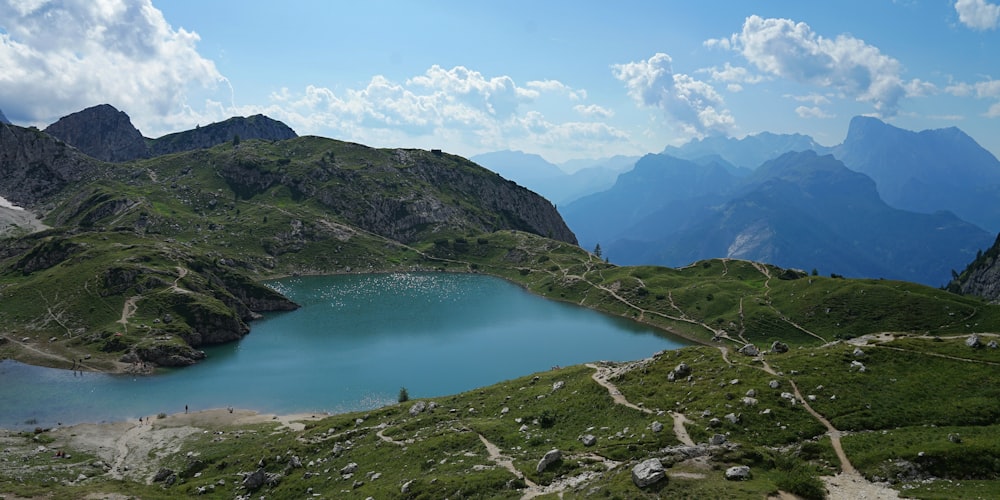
[404, 395]
[236, 140]
[597, 251]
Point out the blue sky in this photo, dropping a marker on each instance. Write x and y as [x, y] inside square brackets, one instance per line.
[557, 78]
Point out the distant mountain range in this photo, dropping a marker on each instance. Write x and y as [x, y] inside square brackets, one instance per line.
[806, 210]
[107, 134]
[559, 185]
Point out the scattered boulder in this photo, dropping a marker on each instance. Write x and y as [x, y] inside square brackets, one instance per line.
[254, 480]
[162, 475]
[417, 408]
[774, 384]
[714, 422]
[752, 393]
[656, 427]
[717, 440]
[738, 473]
[295, 462]
[973, 341]
[732, 418]
[992, 344]
[551, 457]
[858, 353]
[779, 347]
[648, 472]
[350, 468]
[588, 440]
[750, 401]
[558, 385]
[680, 371]
[749, 350]
[857, 366]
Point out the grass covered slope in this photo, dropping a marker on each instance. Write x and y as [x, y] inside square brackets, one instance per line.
[605, 419]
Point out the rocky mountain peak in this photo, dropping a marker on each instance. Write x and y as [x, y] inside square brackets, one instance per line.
[102, 132]
[3, 119]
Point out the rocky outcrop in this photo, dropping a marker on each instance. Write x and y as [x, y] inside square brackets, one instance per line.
[101, 132]
[234, 129]
[35, 167]
[3, 118]
[981, 277]
[164, 355]
[551, 457]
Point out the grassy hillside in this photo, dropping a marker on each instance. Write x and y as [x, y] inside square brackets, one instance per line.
[928, 432]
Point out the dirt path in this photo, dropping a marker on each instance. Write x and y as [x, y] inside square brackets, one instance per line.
[679, 430]
[601, 375]
[128, 310]
[504, 461]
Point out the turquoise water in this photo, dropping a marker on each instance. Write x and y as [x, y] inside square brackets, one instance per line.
[356, 341]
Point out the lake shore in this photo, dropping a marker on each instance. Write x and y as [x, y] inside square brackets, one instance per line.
[126, 447]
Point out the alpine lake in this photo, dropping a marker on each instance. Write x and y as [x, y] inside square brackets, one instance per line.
[354, 343]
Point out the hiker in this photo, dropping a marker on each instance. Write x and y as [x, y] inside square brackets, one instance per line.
[185, 408]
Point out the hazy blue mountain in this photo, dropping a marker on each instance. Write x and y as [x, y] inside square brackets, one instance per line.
[926, 171]
[657, 181]
[748, 152]
[807, 211]
[552, 182]
[618, 163]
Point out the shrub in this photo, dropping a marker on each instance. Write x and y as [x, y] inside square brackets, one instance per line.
[404, 395]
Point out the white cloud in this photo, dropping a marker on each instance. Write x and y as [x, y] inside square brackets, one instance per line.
[989, 89]
[790, 50]
[815, 99]
[456, 106]
[694, 104]
[60, 56]
[732, 74]
[978, 14]
[812, 112]
[593, 110]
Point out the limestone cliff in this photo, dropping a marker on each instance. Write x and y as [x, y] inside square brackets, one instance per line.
[981, 277]
[34, 166]
[252, 127]
[102, 132]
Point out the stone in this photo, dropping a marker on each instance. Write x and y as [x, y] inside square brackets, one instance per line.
[749, 350]
[717, 440]
[255, 480]
[714, 422]
[656, 427]
[750, 401]
[406, 487]
[858, 353]
[774, 384]
[732, 418]
[648, 472]
[162, 475]
[973, 341]
[350, 468]
[551, 457]
[734, 381]
[779, 347]
[558, 385]
[738, 473]
[588, 440]
[752, 393]
[417, 408]
[993, 344]
[680, 371]
[295, 462]
[858, 366]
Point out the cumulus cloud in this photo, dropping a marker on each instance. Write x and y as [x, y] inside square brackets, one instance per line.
[978, 14]
[445, 106]
[812, 112]
[793, 51]
[593, 110]
[694, 104]
[59, 56]
[989, 89]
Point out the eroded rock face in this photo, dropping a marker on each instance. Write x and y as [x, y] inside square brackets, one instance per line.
[34, 166]
[551, 457]
[101, 132]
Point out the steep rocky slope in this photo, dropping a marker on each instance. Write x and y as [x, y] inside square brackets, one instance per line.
[35, 167]
[982, 276]
[102, 132]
